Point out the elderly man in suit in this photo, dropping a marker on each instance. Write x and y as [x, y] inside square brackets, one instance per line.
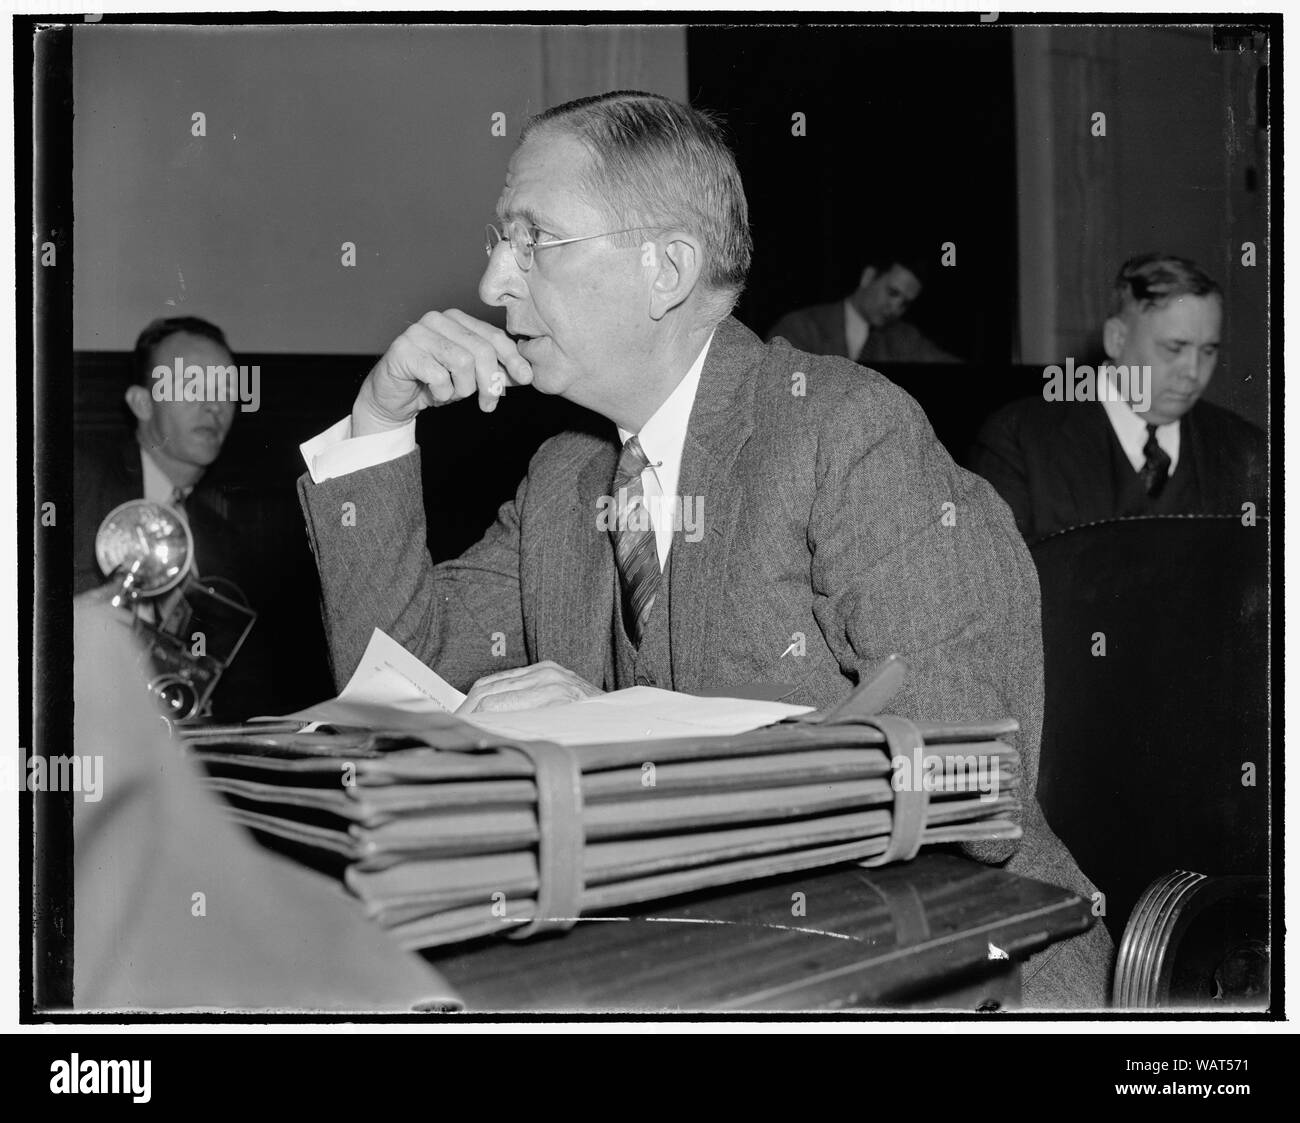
[823, 510]
[1156, 449]
[868, 324]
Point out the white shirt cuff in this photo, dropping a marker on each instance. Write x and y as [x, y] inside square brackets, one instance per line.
[336, 452]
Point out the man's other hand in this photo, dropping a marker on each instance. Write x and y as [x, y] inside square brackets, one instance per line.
[444, 357]
[526, 688]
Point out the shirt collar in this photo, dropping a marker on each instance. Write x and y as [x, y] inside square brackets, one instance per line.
[1131, 430]
[158, 487]
[664, 435]
[856, 329]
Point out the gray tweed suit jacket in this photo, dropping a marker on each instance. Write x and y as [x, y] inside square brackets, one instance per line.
[830, 514]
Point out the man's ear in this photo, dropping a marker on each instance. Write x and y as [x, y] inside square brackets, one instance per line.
[139, 402]
[868, 275]
[676, 261]
[1113, 336]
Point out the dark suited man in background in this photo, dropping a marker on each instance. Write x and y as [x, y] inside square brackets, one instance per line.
[166, 460]
[817, 488]
[868, 324]
[1064, 463]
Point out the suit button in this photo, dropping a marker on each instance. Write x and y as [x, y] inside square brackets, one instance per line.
[644, 680]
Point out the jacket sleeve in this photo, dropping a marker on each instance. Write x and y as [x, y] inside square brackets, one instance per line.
[999, 457]
[913, 555]
[800, 330]
[367, 530]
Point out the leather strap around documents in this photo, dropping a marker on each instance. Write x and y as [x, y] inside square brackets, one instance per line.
[560, 836]
[912, 803]
[874, 689]
[862, 707]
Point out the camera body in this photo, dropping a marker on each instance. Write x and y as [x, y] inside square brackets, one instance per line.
[203, 625]
[191, 627]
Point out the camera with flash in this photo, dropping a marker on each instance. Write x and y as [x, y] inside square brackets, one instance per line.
[192, 627]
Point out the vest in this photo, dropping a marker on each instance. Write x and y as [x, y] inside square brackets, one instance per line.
[1181, 491]
[650, 665]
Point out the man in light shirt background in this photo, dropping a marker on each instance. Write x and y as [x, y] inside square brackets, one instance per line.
[1060, 464]
[869, 325]
[170, 450]
[167, 458]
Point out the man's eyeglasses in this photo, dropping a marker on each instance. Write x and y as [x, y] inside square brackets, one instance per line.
[523, 240]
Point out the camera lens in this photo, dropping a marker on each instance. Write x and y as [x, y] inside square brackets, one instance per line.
[175, 695]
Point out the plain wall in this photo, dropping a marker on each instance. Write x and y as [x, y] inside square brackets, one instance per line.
[316, 136]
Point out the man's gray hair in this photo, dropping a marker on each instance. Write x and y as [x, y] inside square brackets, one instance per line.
[660, 164]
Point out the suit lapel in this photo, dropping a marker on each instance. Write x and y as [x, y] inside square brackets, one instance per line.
[833, 325]
[1086, 452]
[1197, 462]
[720, 424]
[576, 584]
[130, 484]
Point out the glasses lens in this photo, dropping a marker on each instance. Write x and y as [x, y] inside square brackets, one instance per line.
[491, 238]
[521, 242]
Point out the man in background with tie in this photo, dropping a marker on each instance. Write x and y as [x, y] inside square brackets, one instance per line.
[1065, 463]
[804, 523]
[166, 459]
[868, 325]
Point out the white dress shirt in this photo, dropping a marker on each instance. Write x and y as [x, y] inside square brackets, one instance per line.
[662, 440]
[856, 330]
[336, 452]
[157, 487]
[1131, 429]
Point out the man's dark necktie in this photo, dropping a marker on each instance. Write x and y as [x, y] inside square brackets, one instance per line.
[1155, 472]
[634, 541]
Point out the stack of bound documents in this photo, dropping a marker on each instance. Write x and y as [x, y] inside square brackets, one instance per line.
[449, 831]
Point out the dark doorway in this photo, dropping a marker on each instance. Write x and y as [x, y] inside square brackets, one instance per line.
[910, 132]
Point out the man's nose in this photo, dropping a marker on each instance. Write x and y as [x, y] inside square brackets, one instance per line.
[1193, 367]
[502, 278]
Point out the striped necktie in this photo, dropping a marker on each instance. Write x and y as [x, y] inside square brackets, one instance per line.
[1155, 472]
[635, 549]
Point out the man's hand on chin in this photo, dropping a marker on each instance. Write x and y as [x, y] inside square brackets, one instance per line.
[526, 688]
[444, 357]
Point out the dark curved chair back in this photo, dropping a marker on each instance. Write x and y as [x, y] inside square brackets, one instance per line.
[1146, 752]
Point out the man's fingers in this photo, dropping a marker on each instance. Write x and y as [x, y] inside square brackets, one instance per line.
[429, 359]
[507, 352]
[443, 357]
[518, 678]
[519, 672]
[469, 350]
[529, 698]
[547, 683]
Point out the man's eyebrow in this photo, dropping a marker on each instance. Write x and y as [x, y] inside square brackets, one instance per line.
[530, 216]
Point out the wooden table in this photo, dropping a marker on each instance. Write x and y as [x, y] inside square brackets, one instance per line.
[940, 932]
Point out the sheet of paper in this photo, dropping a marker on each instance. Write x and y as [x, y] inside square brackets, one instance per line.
[639, 713]
[392, 689]
[389, 675]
